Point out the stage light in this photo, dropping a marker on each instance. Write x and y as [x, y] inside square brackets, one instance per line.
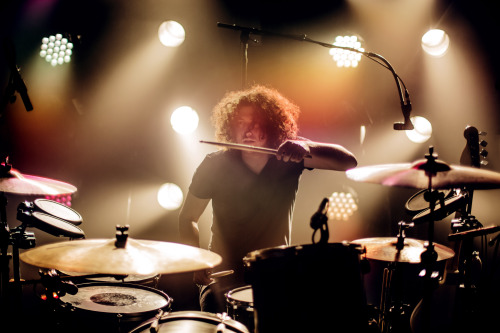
[171, 33]
[170, 196]
[345, 58]
[422, 130]
[56, 49]
[435, 42]
[184, 120]
[341, 206]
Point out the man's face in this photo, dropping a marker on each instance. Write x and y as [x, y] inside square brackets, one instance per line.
[248, 128]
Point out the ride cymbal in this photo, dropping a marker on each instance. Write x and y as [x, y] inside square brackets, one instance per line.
[384, 249]
[102, 256]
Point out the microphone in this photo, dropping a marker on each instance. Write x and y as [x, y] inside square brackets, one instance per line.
[406, 109]
[16, 81]
[407, 125]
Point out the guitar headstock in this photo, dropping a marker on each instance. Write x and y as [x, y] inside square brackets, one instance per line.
[474, 153]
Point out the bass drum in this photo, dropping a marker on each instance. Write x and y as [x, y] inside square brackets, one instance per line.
[308, 288]
[111, 307]
[191, 322]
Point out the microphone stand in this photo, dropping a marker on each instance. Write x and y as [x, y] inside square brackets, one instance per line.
[16, 82]
[403, 97]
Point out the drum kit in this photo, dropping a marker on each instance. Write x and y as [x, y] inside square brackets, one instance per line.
[327, 276]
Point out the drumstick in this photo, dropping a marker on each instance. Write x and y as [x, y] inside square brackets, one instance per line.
[220, 274]
[242, 147]
[246, 147]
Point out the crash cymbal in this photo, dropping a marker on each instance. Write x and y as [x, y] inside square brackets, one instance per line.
[415, 175]
[13, 181]
[384, 249]
[102, 256]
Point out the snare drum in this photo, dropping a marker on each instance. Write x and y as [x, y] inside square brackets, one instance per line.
[239, 303]
[191, 322]
[316, 285]
[114, 307]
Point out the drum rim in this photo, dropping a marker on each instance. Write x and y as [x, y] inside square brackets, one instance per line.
[284, 250]
[234, 301]
[74, 221]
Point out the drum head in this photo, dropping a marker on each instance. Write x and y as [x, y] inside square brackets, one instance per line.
[125, 299]
[59, 210]
[55, 226]
[241, 295]
[192, 322]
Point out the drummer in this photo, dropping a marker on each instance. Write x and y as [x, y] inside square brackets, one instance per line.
[252, 193]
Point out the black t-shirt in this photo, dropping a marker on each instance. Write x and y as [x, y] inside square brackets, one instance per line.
[250, 211]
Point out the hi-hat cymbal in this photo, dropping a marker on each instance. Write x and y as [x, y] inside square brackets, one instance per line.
[384, 249]
[414, 175]
[102, 256]
[13, 181]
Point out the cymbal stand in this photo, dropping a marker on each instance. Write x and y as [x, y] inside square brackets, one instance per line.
[429, 256]
[5, 256]
[468, 271]
[17, 238]
[391, 306]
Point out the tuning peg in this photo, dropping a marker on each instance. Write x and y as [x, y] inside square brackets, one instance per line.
[484, 162]
[483, 143]
[483, 133]
[483, 153]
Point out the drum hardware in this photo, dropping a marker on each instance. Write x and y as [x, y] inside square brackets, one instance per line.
[154, 327]
[392, 308]
[13, 181]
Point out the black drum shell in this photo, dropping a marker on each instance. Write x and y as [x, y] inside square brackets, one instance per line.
[308, 288]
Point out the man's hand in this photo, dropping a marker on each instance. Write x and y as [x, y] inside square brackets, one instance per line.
[293, 150]
[202, 277]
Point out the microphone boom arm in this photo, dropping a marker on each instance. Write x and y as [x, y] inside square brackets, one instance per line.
[403, 97]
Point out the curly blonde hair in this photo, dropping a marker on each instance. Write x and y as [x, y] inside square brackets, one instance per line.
[280, 115]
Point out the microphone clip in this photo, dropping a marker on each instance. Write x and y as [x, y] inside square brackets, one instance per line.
[407, 125]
